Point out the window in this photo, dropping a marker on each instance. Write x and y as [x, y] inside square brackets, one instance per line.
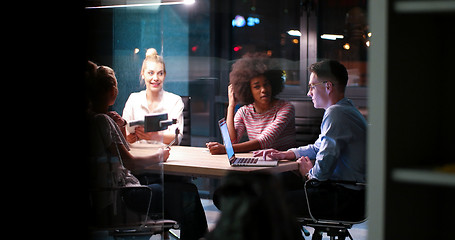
[343, 34]
[200, 42]
[299, 33]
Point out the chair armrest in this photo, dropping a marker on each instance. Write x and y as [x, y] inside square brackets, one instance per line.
[315, 182]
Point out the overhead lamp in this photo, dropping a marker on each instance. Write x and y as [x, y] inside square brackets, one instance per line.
[295, 33]
[136, 3]
[332, 36]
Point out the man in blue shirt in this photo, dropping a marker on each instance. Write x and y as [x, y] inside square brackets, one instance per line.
[340, 151]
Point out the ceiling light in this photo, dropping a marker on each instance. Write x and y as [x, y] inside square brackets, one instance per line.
[332, 36]
[295, 33]
[132, 3]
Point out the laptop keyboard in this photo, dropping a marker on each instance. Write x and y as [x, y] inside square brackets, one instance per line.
[246, 160]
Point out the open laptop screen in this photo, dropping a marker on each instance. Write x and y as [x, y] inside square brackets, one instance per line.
[226, 138]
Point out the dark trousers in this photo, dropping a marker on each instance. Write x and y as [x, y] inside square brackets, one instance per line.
[181, 203]
[327, 201]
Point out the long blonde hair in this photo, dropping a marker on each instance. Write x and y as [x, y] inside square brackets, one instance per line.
[152, 55]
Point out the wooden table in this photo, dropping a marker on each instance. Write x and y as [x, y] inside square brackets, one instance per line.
[198, 162]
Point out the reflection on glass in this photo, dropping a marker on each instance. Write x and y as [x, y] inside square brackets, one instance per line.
[201, 41]
[344, 36]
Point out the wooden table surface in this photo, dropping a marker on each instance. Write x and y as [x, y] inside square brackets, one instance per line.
[198, 162]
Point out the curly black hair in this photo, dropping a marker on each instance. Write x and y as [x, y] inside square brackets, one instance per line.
[252, 65]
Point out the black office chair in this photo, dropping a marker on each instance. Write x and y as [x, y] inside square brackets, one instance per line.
[336, 227]
[119, 221]
[186, 140]
[307, 122]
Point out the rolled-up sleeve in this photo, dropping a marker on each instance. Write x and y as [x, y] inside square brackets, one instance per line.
[307, 151]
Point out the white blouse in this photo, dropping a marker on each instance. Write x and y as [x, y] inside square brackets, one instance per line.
[136, 108]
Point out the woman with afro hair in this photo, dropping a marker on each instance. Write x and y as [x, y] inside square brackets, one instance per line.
[268, 121]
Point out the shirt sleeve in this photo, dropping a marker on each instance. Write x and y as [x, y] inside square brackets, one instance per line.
[308, 151]
[284, 116]
[109, 132]
[239, 123]
[332, 139]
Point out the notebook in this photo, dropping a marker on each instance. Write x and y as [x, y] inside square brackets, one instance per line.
[235, 161]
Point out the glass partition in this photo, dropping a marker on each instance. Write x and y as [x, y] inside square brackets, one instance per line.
[199, 41]
[125, 197]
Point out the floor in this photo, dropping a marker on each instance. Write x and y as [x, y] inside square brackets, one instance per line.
[358, 232]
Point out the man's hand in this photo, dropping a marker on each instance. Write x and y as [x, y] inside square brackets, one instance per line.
[305, 165]
[273, 154]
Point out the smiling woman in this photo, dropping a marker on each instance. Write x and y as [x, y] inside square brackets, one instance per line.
[153, 100]
[153, 69]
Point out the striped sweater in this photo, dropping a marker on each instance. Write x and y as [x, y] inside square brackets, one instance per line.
[273, 129]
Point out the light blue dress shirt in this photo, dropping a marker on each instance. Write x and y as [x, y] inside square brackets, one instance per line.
[340, 150]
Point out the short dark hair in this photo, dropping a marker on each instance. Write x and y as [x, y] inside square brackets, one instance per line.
[331, 69]
[253, 65]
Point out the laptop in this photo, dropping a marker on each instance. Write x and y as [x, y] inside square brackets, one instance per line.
[235, 161]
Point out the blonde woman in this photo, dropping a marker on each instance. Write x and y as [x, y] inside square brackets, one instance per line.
[154, 99]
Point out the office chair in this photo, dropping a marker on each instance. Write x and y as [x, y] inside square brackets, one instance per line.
[186, 140]
[119, 221]
[335, 227]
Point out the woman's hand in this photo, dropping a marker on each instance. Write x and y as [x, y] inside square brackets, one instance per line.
[132, 138]
[232, 101]
[117, 118]
[141, 134]
[165, 152]
[216, 148]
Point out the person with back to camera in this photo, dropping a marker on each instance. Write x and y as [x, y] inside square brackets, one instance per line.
[268, 121]
[111, 162]
[338, 154]
[252, 207]
[106, 136]
[109, 151]
[153, 100]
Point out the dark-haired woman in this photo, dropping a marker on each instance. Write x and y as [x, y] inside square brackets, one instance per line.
[268, 121]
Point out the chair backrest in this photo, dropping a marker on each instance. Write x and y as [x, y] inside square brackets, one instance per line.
[186, 140]
[307, 122]
[118, 219]
[114, 214]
